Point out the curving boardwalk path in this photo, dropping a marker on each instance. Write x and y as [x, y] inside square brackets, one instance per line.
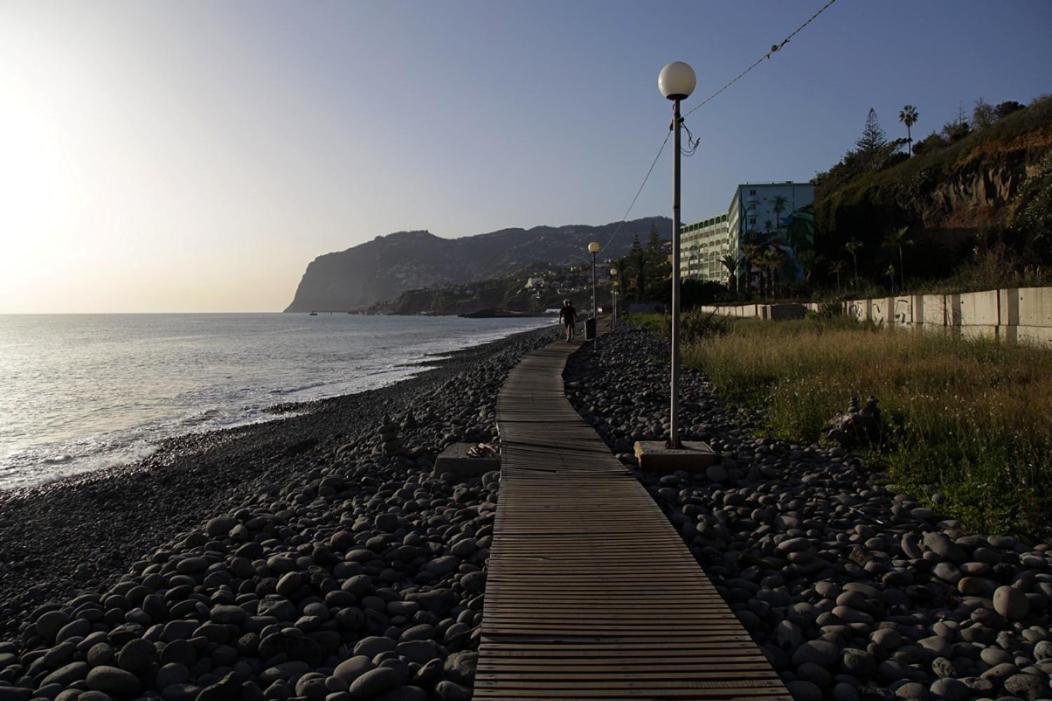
[591, 593]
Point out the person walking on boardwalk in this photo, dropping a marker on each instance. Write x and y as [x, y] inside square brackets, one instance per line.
[568, 316]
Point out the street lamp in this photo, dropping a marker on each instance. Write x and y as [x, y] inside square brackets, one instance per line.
[613, 294]
[676, 82]
[593, 248]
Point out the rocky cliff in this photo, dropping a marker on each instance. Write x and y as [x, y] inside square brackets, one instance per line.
[381, 269]
[949, 198]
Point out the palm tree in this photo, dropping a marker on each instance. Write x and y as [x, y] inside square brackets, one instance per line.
[898, 238]
[780, 203]
[807, 259]
[771, 260]
[853, 246]
[890, 272]
[731, 264]
[836, 267]
[751, 253]
[908, 116]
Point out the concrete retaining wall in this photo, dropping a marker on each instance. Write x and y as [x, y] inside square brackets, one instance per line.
[859, 309]
[933, 312]
[903, 310]
[1023, 314]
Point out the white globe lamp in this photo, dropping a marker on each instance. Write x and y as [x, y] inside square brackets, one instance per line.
[676, 81]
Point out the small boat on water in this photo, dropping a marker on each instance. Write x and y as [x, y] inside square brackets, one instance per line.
[314, 313]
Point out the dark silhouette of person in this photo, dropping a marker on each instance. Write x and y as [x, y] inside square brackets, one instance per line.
[568, 317]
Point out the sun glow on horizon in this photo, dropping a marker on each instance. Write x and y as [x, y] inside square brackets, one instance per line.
[193, 155]
[107, 205]
[37, 175]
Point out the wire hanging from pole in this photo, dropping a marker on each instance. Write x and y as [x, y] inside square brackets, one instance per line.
[774, 49]
[661, 149]
[692, 143]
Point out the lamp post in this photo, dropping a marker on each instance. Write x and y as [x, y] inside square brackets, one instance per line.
[676, 82]
[593, 248]
[613, 294]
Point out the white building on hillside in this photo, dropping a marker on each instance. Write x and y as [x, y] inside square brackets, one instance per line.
[765, 208]
[767, 213]
[702, 248]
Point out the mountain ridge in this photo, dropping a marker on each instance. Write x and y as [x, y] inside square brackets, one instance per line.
[378, 270]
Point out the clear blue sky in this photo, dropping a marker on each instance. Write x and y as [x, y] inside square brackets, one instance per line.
[196, 155]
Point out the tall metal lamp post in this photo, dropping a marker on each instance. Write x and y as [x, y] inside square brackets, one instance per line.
[593, 248]
[613, 293]
[676, 82]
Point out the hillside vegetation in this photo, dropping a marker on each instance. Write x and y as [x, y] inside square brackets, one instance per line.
[986, 192]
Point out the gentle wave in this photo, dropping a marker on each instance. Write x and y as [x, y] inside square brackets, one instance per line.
[89, 392]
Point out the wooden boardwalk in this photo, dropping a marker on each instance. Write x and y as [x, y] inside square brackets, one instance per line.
[591, 594]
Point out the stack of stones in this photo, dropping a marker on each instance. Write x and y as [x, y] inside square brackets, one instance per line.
[852, 589]
[390, 443]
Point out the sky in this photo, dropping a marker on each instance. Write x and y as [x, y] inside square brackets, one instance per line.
[195, 156]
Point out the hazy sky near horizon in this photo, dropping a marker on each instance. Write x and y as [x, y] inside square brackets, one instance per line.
[195, 156]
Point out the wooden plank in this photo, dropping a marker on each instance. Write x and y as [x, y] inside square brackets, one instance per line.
[643, 648]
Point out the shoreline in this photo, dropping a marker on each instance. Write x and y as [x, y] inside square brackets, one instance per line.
[82, 531]
[279, 410]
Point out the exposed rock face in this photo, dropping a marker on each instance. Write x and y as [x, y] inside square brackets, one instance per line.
[984, 191]
[951, 198]
[389, 265]
[979, 190]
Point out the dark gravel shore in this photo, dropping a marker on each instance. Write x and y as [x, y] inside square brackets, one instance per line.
[853, 590]
[317, 558]
[310, 557]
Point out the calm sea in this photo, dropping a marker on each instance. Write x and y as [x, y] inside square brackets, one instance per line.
[81, 392]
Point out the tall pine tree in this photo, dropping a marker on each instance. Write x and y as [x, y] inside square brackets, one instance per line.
[658, 267]
[639, 261]
[873, 138]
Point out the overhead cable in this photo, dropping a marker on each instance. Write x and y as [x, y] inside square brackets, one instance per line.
[642, 185]
[775, 48]
[693, 144]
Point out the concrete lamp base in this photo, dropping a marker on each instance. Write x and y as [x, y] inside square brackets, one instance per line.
[694, 456]
[455, 461]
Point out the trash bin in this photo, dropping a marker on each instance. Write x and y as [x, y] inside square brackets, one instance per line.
[589, 329]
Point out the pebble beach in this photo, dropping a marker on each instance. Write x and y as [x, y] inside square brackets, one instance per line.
[317, 557]
[313, 557]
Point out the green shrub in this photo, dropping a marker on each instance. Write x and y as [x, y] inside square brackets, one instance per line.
[830, 310]
[697, 324]
[657, 323]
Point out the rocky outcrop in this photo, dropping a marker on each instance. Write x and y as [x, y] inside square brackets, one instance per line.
[381, 269]
[983, 191]
[950, 198]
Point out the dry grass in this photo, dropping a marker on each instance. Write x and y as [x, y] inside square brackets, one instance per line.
[970, 419]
